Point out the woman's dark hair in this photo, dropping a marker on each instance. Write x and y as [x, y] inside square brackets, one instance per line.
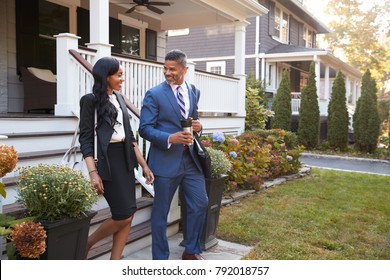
[103, 68]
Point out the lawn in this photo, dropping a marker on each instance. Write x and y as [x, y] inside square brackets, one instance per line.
[328, 215]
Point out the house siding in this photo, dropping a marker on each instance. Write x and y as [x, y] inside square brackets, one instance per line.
[215, 40]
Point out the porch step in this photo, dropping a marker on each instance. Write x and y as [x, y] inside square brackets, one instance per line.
[38, 134]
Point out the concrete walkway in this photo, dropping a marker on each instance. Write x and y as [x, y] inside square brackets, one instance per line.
[222, 251]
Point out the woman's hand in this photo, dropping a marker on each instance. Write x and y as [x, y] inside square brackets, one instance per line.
[97, 182]
[148, 174]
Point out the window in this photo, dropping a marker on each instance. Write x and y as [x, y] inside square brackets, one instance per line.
[308, 37]
[216, 67]
[130, 40]
[151, 44]
[36, 22]
[281, 25]
[53, 19]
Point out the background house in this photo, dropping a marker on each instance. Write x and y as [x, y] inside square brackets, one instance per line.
[66, 37]
[284, 38]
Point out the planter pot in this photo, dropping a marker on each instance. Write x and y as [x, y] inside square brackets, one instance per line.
[67, 239]
[214, 189]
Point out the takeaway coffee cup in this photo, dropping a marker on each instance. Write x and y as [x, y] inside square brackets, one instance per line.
[186, 125]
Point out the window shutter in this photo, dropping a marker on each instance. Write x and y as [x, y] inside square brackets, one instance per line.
[271, 19]
[301, 42]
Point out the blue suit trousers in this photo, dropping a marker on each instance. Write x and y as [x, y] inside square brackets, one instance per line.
[192, 184]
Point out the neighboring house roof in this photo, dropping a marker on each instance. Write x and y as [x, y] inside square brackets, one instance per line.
[304, 14]
[283, 48]
[288, 53]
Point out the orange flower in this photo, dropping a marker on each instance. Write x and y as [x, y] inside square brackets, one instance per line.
[29, 239]
[8, 159]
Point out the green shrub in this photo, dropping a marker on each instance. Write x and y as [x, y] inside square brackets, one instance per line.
[282, 104]
[338, 115]
[309, 113]
[366, 122]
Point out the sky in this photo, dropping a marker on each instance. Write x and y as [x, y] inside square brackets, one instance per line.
[317, 7]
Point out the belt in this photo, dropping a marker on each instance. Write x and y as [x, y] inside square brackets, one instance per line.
[185, 148]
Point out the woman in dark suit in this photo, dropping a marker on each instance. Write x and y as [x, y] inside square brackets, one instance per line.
[117, 152]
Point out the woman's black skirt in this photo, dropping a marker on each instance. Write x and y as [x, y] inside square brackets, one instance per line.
[120, 190]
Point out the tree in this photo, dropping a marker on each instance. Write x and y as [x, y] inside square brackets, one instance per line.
[255, 112]
[338, 115]
[282, 104]
[366, 122]
[255, 107]
[352, 19]
[309, 113]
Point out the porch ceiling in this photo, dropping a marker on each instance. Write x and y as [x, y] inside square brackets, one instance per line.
[191, 13]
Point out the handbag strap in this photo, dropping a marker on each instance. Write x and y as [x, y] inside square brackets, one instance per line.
[95, 137]
[95, 140]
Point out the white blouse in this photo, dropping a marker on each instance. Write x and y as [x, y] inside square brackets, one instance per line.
[119, 131]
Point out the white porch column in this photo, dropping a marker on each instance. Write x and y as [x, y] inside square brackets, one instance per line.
[347, 88]
[65, 87]
[354, 92]
[239, 63]
[99, 28]
[262, 69]
[327, 89]
[190, 76]
[318, 74]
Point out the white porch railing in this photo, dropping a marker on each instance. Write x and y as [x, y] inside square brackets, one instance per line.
[219, 94]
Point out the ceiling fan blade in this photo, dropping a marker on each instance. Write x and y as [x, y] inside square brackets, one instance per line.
[159, 3]
[154, 9]
[130, 10]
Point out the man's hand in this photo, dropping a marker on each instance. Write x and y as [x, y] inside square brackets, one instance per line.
[181, 137]
[196, 126]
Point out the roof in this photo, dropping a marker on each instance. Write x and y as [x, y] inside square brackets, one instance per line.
[305, 15]
[289, 53]
[283, 48]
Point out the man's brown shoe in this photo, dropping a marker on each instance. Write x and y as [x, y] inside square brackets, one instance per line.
[196, 257]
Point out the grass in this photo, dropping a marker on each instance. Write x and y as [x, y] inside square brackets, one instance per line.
[328, 215]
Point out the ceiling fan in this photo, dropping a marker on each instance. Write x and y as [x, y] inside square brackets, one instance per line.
[143, 5]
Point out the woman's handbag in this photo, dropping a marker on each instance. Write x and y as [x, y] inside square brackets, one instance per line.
[73, 158]
[203, 156]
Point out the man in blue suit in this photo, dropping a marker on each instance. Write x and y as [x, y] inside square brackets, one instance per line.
[171, 156]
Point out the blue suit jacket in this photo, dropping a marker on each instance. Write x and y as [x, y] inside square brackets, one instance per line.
[160, 117]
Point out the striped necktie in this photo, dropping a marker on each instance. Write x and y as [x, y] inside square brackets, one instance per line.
[180, 101]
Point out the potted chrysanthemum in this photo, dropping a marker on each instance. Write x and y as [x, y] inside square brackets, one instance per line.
[220, 166]
[61, 199]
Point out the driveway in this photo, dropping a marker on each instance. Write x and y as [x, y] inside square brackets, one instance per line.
[362, 165]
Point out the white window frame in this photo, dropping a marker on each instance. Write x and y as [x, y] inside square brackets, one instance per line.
[220, 64]
[280, 14]
[178, 32]
[306, 32]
